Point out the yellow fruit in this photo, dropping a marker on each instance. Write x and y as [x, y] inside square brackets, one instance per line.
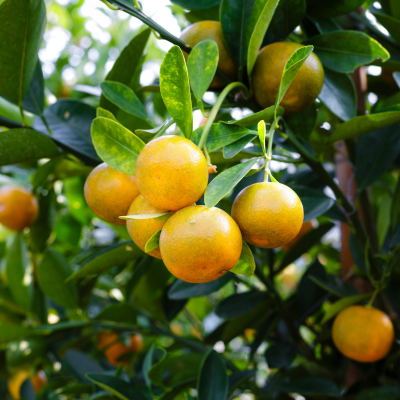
[18, 207]
[363, 334]
[268, 214]
[305, 228]
[141, 230]
[110, 193]
[200, 245]
[39, 380]
[204, 30]
[267, 73]
[171, 172]
[15, 382]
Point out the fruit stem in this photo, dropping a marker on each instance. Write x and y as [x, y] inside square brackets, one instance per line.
[164, 128]
[372, 299]
[215, 109]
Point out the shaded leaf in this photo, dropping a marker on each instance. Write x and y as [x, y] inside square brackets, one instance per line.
[303, 122]
[237, 378]
[311, 386]
[239, 304]
[280, 355]
[34, 98]
[196, 5]
[246, 264]
[10, 333]
[391, 23]
[123, 313]
[386, 392]
[234, 148]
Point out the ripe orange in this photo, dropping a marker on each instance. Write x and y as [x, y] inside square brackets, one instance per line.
[171, 172]
[199, 245]
[268, 214]
[141, 230]
[18, 207]
[305, 228]
[110, 193]
[267, 73]
[363, 334]
[39, 380]
[204, 30]
[15, 382]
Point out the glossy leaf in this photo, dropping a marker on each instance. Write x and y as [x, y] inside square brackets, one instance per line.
[311, 386]
[303, 122]
[116, 145]
[26, 145]
[180, 290]
[158, 216]
[22, 24]
[112, 256]
[234, 148]
[339, 94]
[280, 355]
[239, 304]
[363, 124]
[175, 90]
[123, 313]
[34, 98]
[213, 378]
[102, 112]
[246, 264]
[344, 51]
[153, 243]
[330, 9]
[196, 5]
[51, 274]
[267, 115]
[226, 181]
[202, 64]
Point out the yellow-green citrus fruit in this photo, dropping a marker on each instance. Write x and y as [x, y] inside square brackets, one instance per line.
[141, 230]
[110, 193]
[200, 245]
[171, 172]
[204, 30]
[267, 74]
[363, 334]
[18, 207]
[269, 214]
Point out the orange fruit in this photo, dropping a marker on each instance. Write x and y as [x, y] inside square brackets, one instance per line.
[269, 214]
[267, 74]
[39, 380]
[200, 245]
[171, 172]
[141, 230]
[363, 334]
[305, 228]
[204, 30]
[15, 382]
[136, 343]
[110, 193]
[18, 207]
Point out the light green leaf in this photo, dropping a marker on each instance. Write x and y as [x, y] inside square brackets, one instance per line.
[102, 112]
[234, 148]
[175, 90]
[153, 243]
[261, 134]
[145, 216]
[246, 264]
[267, 115]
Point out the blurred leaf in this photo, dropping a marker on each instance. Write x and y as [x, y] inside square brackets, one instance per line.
[344, 51]
[386, 392]
[245, 265]
[396, 77]
[226, 181]
[26, 145]
[363, 124]
[116, 145]
[391, 23]
[112, 256]
[196, 5]
[43, 171]
[339, 94]
[153, 243]
[52, 273]
[311, 386]
[70, 121]
[60, 326]
[202, 64]
[184, 290]
[34, 98]
[28, 352]
[383, 218]
[335, 289]
[267, 115]
[9, 333]
[343, 303]
[237, 378]
[239, 304]
[329, 9]
[118, 313]
[175, 90]
[102, 112]
[280, 355]
[213, 378]
[162, 216]
[19, 272]
[22, 25]
[234, 148]
[303, 122]
[152, 357]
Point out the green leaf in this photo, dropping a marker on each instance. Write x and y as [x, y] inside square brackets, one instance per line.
[246, 264]
[363, 124]
[343, 303]
[260, 18]
[102, 112]
[153, 243]
[26, 145]
[196, 5]
[391, 23]
[19, 273]
[110, 257]
[119, 388]
[118, 313]
[239, 304]
[51, 275]
[147, 216]
[116, 145]
[10, 333]
[261, 134]
[267, 115]
[387, 392]
[232, 149]
[237, 378]
[34, 98]
[11, 113]
[175, 90]
[280, 355]
[303, 122]
[311, 386]
[213, 378]
[330, 9]
[344, 51]
[22, 24]
[226, 181]
[124, 97]
[202, 64]
[339, 94]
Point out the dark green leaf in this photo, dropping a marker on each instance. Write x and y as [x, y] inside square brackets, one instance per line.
[175, 90]
[237, 378]
[387, 392]
[344, 51]
[339, 94]
[51, 275]
[197, 5]
[330, 9]
[26, 145]
[118, 313]
[245, 265]
[267, 115]
[116, 145]
[232, 149]
[303, 122]
[34, 98]
[311, 386]
[239, 304]
[328, 287]
[213, 379]
[22, 24]
[391, 23]
[226, 181]
[153, 243]
[280, 355]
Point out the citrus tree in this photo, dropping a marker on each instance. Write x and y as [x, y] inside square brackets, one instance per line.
[251, 256]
